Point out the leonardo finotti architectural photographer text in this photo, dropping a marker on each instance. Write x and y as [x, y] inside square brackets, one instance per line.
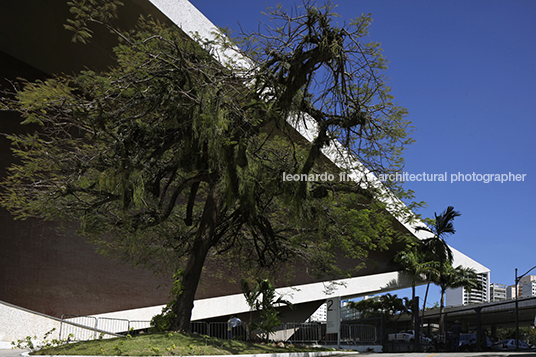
[407, 177]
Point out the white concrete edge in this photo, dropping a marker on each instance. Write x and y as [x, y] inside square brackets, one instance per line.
[236, 303]
[287, 354]
[192, 21]
[345, 288]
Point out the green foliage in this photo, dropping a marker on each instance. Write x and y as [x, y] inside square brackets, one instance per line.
[166, 344]
[441, 227]
[527, 334]
[87, 11]
[388, 305]
[435, 256]
[172, 158]
[33, 344]
[263, 299]
[164, 321]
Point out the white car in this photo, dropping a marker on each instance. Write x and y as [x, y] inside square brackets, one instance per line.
[407, 336]
[510, 345]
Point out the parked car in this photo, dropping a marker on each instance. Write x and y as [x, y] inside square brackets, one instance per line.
[510, 345]
[407, 336]
[468, 342]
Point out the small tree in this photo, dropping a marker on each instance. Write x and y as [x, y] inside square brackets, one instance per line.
[262, 298]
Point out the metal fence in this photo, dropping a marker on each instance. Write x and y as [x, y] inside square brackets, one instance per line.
[358, 334]
[302, 332]
[80, 328]
[292, 332]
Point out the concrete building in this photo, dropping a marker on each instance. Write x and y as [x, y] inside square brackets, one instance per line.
[320, 315]
[497, 292]
[461, 296]
[526, 286]
[522, 291]
[528, 289]
[511, 291]
[47, 273]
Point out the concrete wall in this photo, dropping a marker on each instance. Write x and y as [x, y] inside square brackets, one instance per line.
[17, 323]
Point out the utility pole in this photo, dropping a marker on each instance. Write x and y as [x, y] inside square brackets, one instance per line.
[517, 279]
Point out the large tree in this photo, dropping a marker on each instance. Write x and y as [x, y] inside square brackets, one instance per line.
[172, 158]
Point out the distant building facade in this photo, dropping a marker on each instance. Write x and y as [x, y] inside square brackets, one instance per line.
[320, 315]
[462, 296]
[525, 288]
[511, 292]
[497, 292]
[529, 289]
[348, 313]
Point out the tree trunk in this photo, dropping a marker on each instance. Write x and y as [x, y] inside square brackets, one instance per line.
[413, 304]
[205, 239]
[425, 297]
[441, 316]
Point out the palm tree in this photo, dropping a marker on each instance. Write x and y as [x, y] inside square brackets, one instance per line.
[436, 247]
[442, 227]
[413, 262]
[263, 299]
[451, 278]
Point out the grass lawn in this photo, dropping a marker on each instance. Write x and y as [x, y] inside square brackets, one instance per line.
[168, 344]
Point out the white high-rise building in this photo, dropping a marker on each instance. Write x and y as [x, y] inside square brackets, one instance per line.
[528, 289]
[526, 286]
[320, 315]
[462, 296]
[522, 290]
[511, 292]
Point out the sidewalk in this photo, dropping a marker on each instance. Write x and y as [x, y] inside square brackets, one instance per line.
[24, 353]
[11, 352]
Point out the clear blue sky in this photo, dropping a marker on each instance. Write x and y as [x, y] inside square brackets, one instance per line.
[466, 72]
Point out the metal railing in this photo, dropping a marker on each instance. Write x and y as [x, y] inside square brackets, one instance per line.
[292, 332]
[78, 328]
[301, 332]
[82, 328]
[119, 326]
[357, 334]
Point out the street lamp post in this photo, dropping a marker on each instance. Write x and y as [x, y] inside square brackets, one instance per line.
[517, 312]
[517, 279]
